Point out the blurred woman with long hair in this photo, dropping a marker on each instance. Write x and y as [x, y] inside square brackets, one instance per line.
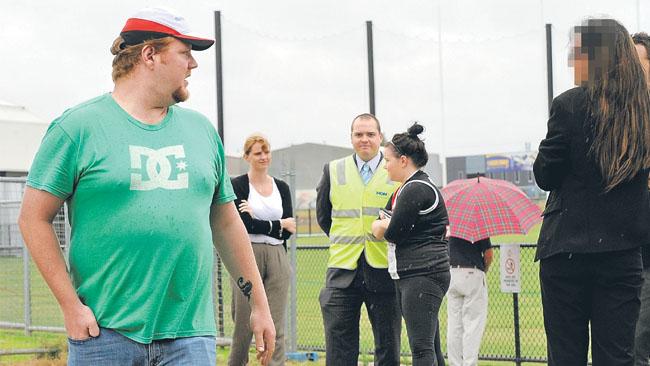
[594, 161]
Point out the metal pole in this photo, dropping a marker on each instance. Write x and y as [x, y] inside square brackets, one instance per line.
[290, 323]
[67, 234]
[217, 290]
[219, 75]
[443, 156]
[371, 66]
[288, 311]
[219, 80]
[293, 258]
[27, 296]
[515, 301]
[549, 64]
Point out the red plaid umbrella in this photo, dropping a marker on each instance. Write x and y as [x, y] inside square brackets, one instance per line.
[480, 207]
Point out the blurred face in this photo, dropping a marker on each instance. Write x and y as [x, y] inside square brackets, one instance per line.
[258, 158]
[643, 57]
[366, 138]
[176, 64]
[395, 165]
[579, 61]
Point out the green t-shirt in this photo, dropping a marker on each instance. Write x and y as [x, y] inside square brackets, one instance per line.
[139, 200]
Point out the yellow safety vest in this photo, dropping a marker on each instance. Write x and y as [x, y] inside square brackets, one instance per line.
[354, 207]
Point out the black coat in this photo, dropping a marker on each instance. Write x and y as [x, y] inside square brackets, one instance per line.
[241, 187]
[579, 216]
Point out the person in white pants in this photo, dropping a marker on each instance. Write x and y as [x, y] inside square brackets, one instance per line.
[467, 299]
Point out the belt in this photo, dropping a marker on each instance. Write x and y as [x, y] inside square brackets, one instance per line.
[467, 267]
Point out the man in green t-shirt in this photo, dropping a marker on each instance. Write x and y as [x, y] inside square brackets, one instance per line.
[148, 195]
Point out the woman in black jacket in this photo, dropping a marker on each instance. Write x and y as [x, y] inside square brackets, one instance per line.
[418, 258]
[264, 204]
[594, 161]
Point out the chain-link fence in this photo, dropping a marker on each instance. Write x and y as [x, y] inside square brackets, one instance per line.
[26, 302]
[498, 343]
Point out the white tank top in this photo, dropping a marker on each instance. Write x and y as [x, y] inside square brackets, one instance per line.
[265, 208]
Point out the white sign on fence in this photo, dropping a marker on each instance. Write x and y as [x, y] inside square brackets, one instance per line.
[509, 268]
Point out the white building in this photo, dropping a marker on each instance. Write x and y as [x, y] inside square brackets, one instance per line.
[20, 136]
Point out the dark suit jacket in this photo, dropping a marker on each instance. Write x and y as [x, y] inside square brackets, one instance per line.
[255, 226]
[579, 217]
[373, 279]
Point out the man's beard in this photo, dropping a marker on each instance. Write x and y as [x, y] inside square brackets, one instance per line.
[180, 95]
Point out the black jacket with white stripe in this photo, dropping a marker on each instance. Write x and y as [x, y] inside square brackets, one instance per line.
[417, 228]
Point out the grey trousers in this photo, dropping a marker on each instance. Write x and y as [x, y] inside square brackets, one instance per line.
[642, 335]
[275, 270]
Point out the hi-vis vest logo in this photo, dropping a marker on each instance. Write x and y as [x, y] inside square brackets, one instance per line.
[157, 171]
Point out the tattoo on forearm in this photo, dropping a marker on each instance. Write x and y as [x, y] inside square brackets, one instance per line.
[245, 287]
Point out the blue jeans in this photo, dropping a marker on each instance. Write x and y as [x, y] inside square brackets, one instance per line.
[112, 348]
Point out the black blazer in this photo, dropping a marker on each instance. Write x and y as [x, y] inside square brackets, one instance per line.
[255, 226]
[579, 217]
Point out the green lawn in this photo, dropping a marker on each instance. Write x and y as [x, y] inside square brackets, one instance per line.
[497, 341]
[12, 339]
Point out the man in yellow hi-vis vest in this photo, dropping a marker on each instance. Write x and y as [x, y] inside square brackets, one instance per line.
[350, 194]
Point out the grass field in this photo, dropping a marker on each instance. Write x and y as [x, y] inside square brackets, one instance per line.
[17, 340]
[497, 341]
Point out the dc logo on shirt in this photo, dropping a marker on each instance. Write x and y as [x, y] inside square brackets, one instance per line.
[156, 171]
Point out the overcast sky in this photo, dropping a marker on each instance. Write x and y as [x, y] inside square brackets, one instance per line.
[296, 70]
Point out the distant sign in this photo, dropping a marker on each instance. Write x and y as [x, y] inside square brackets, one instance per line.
[510, 162]
[510, 268]
[497, 163]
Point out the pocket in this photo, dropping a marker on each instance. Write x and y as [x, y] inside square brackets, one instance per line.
[323, 297]
[79, 341]
[103, 332]
[283, 264]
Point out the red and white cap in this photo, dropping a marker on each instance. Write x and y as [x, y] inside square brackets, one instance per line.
[158, 22]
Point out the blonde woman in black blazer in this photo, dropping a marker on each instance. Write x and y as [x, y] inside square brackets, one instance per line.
[594, 161]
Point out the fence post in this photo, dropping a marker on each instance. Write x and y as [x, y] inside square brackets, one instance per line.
[515, 301]
[309, 217]
[220, 318]
[66, 235]
[293, 345]
[27, 296]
